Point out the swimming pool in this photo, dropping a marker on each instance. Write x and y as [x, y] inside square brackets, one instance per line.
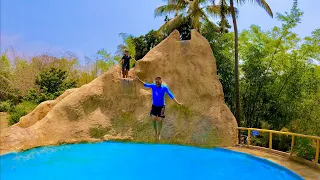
[131, 161]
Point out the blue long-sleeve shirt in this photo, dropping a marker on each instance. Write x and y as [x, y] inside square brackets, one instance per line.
[158, 94]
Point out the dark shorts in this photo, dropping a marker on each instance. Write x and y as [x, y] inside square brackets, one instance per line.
[125, 67]
[158, 111]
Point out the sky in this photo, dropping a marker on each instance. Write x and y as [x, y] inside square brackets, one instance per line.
[34, 27]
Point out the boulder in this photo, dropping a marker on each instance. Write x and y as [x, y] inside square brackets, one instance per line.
[112, 108]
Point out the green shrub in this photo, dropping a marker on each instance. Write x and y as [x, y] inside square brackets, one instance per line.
[38, 97]
[6, 106]
[51, 83]
[20, 110]
[305, 148]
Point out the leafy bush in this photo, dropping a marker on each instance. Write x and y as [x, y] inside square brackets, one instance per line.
[51, 84]
[20, 110]
[282, 142]
[38, 96]
[6, 106]
[305, 148]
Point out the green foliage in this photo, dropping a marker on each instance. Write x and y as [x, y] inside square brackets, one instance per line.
[222, 47]
[37, 96]
[6, 106]
[20, 110]
[6, 85]
[54, 80]
[143, 44]
[103, 62]
[128, 45]
[305, 148]
[51, 84]
[196, 12]
[184, 28]
[263, 138]
[277, 74]
[280, 83]
[97, 132]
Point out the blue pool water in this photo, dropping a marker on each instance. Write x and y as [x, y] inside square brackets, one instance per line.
[132, 161]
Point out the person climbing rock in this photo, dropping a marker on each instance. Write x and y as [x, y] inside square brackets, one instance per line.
[158, 103]
[125, 61]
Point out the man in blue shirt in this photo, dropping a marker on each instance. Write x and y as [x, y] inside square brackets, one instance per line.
[158, 103]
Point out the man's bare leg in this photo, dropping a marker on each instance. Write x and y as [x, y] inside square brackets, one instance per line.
[154, 121]
[159, 127]
[126, 73]
[123, 73]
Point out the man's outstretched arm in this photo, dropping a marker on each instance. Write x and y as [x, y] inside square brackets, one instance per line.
[144, 84]
[172, 96]
[175, 100]
[140, 80]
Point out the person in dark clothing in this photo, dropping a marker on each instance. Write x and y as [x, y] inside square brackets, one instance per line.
[125, 61]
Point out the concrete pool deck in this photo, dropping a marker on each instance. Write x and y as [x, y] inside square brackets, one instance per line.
[305, 171]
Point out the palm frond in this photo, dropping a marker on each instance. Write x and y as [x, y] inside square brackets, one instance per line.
[229, 11]
[202, 2]
[196, 21]
[171, 25]
[261, 3]
[207, 20]
[217, 11]
[175, 1]
[214, 11]
[265, 6]
[168, 9]
[240, 2]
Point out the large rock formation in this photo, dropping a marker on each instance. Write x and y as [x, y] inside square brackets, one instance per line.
[113, 108]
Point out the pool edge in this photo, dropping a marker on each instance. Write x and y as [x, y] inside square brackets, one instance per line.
[264, 160]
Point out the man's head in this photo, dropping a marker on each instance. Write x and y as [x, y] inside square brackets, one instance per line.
[158, 81]
[126, 52]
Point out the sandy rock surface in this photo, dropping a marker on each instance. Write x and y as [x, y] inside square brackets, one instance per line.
[111, 108]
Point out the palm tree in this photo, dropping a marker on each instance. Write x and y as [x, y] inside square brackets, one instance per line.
[194, 10]
[221, 10]
[264, 5]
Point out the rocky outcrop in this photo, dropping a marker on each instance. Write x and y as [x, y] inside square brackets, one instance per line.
[113, 108]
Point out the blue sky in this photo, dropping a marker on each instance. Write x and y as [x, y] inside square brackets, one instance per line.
[82, 27]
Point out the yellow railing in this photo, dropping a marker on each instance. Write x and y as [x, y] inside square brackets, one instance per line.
[316, 138]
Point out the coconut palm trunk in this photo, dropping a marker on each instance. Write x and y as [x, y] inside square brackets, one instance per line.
[236, 66]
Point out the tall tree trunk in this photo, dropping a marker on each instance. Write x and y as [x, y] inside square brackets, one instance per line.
[236, 67]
